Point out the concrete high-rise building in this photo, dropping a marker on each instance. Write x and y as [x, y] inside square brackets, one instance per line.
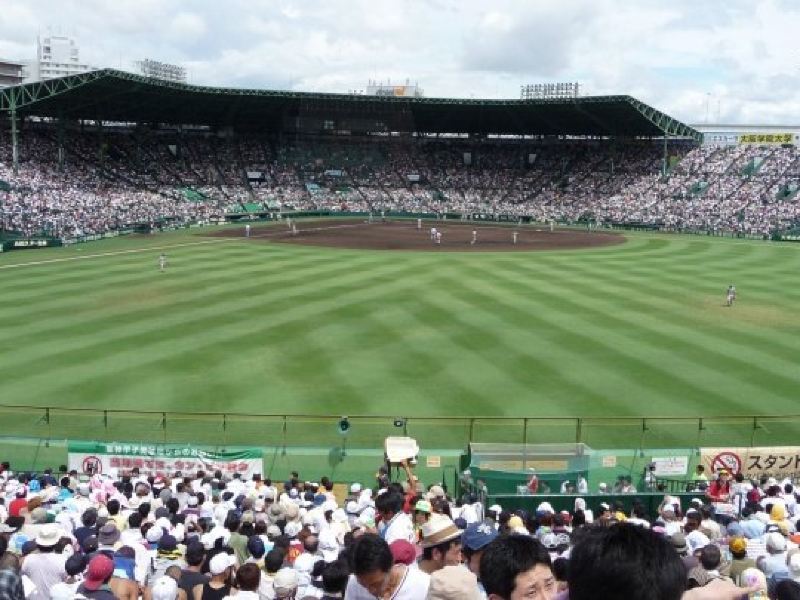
[11, 72]
[56, 56]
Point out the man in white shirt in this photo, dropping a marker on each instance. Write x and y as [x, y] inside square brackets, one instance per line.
[395, 524]
[305, 562]
[45, 568]
[374, 576]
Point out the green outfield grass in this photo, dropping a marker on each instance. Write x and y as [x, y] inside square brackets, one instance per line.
[239, 326]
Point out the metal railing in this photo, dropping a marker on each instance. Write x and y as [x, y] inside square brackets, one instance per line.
[369, 431]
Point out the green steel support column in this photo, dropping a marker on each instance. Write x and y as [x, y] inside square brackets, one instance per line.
[14, 146]
[664, 171]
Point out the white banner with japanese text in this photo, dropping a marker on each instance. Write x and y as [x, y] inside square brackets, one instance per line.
[161, 459]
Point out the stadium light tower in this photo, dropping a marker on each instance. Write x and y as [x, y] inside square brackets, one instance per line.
[161, 70]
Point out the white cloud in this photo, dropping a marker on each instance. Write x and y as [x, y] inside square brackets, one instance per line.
[671, 55]
[189, 25]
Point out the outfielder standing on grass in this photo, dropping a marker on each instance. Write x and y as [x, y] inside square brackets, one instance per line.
[162, 262]
[731, 295]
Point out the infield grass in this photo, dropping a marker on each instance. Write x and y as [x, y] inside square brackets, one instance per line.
[240, 326]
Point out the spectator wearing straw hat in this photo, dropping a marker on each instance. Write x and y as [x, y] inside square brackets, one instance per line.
[441, 544]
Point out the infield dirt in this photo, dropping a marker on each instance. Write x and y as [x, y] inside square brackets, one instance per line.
[358, 234]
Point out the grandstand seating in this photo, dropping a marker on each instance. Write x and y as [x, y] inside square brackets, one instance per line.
[111, 179]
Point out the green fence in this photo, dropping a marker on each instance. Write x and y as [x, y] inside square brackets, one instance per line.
[369, 431]
[560, 502]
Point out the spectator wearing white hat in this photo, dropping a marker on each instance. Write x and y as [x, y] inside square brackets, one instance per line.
[219, 586]
[775, 559]
[286, 584]
[164, 588]
[45, 568]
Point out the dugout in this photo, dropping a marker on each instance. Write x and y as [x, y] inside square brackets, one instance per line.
[506, 468]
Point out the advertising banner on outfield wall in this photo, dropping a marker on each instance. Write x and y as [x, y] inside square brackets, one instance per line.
[161, 459]
[778, 462]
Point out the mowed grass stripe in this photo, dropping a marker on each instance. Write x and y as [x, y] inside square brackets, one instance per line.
[181, 289]
[68, 280]
[697, 346]
[148, 326]
[660, 295]
[647, 360]
[277, 332]
[79, 369]
[579, 355]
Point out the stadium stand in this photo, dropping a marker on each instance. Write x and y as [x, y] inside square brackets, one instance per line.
[126, 533]
[109, 181]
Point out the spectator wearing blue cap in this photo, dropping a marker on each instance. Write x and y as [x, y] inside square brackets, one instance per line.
[257, 550]
[473, 541]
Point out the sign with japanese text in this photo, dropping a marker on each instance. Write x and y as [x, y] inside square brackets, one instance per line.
[666, 466]
[161, 459]
[753, 462]
[766, 138]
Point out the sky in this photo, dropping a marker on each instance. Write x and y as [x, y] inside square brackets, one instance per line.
[701, 61]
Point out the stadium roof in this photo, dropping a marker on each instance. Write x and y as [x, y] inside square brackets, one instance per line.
[111, 95]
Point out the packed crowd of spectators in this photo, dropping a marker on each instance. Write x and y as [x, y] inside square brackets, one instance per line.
[204, 536]
[109, 180]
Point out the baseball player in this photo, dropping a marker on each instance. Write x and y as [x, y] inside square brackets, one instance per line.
[294, 229]
[438, 238]
[419, 224]
[514, 235]
[474, 237]
[433, 234]
[730, 297]
[162, 262]
[247, 230]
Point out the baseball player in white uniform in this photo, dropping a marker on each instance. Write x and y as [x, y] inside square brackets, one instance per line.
[474, 236]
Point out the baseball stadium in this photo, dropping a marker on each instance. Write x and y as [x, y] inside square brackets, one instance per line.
[507, 282]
